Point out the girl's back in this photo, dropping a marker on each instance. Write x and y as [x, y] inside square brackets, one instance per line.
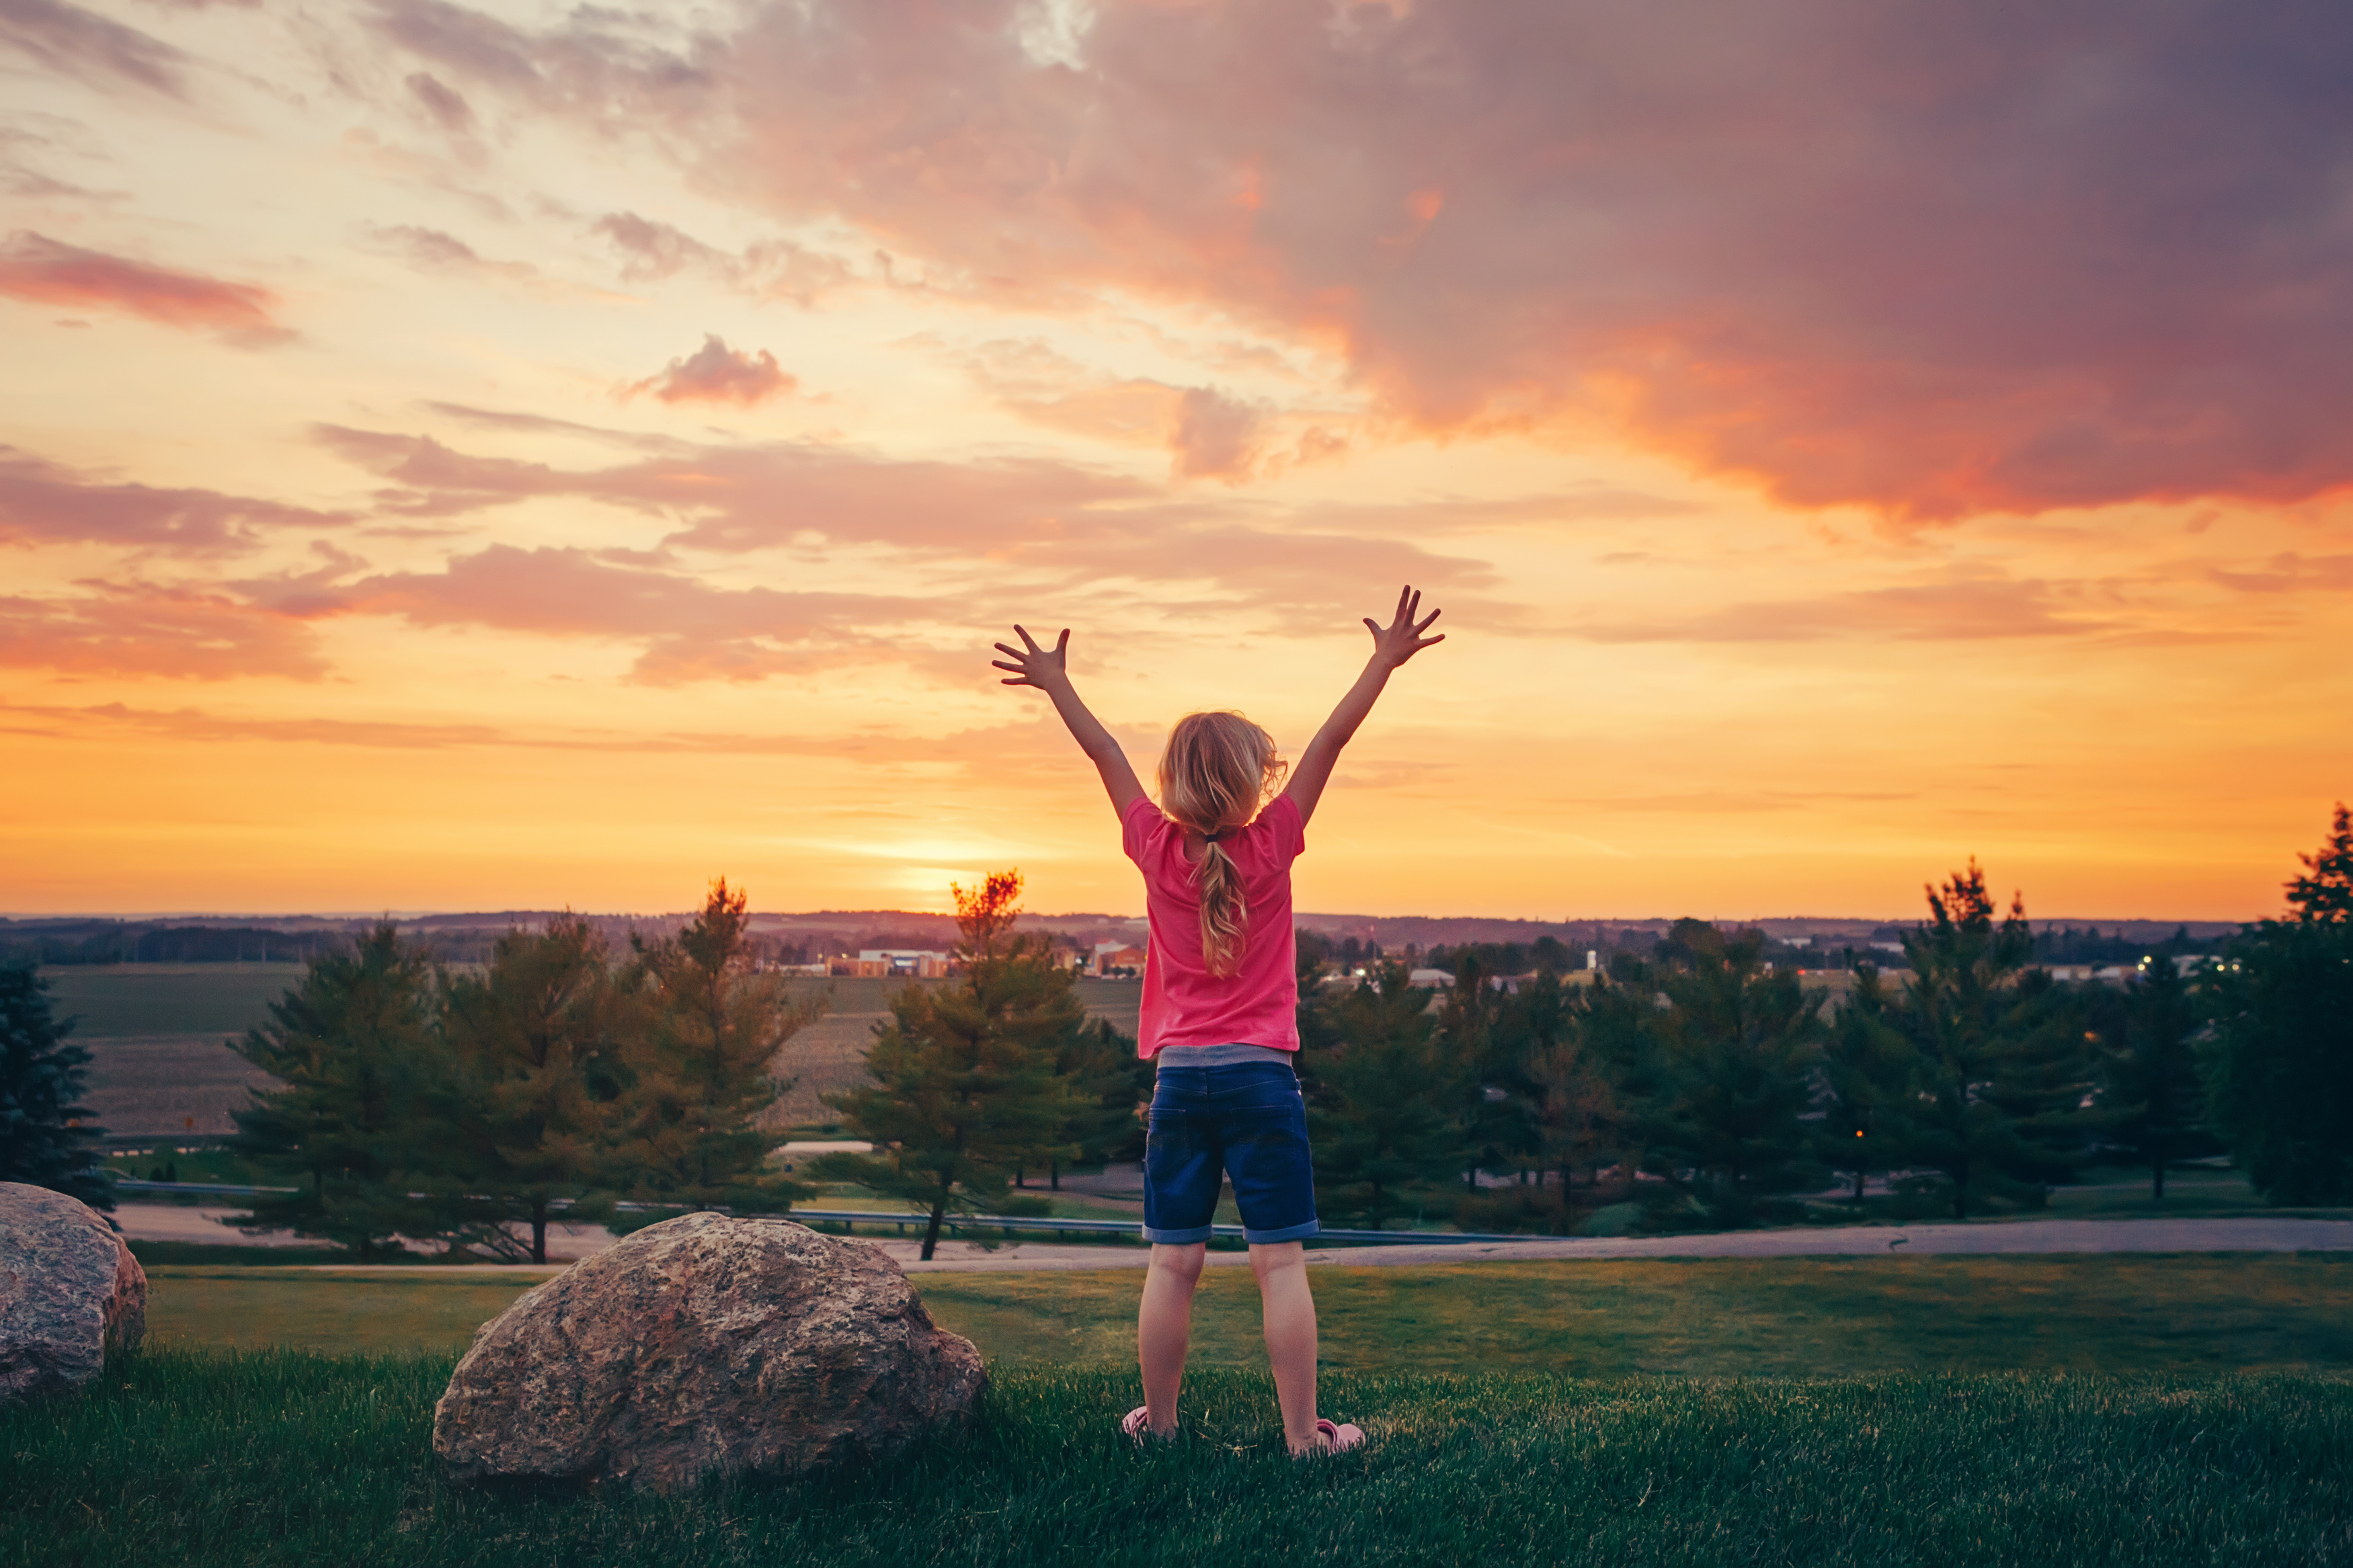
[1185, 1004]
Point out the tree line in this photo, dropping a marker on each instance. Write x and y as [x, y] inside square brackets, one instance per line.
[1702, 1083]
[1705, 1085]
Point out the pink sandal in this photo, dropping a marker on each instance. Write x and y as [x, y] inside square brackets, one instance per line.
[1338, 1437]
[1134, 1423]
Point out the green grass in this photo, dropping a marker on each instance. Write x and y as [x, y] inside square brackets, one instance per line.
[285, 1457]
[1783, 1317]
[168, 998]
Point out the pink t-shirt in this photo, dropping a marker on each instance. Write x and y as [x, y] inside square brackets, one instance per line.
[1183, 1004]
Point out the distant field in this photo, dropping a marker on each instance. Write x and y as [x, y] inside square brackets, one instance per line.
[155, 1033]
[151, 999]
[168, 1083]
[1784, 1317]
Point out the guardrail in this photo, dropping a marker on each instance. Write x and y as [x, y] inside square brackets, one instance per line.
[849, 1219]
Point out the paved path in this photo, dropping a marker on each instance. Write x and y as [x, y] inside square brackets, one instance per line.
[166, 1222]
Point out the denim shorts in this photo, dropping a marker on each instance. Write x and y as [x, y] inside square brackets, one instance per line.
[1245, 1121]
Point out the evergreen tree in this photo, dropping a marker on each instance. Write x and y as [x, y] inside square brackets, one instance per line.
[1739, 1048]
[966, 1087]
[1531, 1027]
[1386, 1102]
[353, 1046]
[1488, 1034]
[525, 1123]
[1866, 1071]
[2279, 1069]
[1614, 1027]
[2046, 1083]
[1109, 1087]
[1575, 1103]
[1988, 1115]
[48, 1139]
[2150, 1093]
[701, 1027]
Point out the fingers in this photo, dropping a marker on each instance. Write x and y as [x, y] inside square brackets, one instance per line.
[1027, 640]
[1402, 594]
[1372, 626]
[1000, 663]
[1063, 641]
[1424, 623]
[1009, 651]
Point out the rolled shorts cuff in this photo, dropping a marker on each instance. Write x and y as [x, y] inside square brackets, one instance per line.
[1288, 1233]
[1176, 1237]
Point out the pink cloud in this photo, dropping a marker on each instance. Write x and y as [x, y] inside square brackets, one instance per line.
[67, 38]
[1055, 526]
[175, 633]
[43, 502]
[1927, 262]
[717, 374]
[690, 629]
[1972, 610]
[1214, 436]
[34, 267]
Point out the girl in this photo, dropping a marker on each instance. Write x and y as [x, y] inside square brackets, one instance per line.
[1220, 1010]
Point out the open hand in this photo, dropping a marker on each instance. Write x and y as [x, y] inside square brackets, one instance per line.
[1032, 664]
[1401, 638]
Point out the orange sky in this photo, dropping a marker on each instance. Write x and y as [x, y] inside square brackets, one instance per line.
[462, 456]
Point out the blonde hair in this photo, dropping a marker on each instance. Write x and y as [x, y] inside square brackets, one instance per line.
[1215, 772]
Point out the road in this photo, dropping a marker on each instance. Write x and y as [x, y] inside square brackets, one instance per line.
[167, 1222]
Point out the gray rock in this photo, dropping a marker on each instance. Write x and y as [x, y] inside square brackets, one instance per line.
[704, 1346]
[70, 1292]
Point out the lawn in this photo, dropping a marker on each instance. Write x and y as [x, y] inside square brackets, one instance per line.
[1781, 1317]
[286, 1458]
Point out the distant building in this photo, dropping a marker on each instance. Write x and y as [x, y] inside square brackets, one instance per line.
[1116, 961]
[1441, 979]
[892, 964]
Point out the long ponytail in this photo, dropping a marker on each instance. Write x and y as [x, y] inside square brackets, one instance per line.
[1216, 770]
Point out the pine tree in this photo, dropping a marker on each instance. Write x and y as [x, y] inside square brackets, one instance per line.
[1533, 1046]
[48, 1139]
[1866, 1073]
[1489, 1034]
[1575, 1103]
[2150, 1093]
[353, 1046]
[2279, 1071]
[1996, 1112]
[1108, 1088]
[525, 1125]
[701, 1024]
[966, 1089]
[1385, 1102]
[1739, 1048]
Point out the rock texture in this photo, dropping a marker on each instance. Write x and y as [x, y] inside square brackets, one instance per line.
[705, 1345]
[70, 1291]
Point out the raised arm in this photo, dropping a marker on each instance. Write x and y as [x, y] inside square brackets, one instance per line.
[1392, 646]
[1046, 668]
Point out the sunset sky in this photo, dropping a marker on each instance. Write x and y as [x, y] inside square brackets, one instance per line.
[513, 456]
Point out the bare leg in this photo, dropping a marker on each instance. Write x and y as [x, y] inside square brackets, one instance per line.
[1164, 1325]
[1289, 1307]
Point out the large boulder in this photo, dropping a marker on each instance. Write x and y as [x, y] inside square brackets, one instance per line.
[702, 1346]
[70, 1292]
